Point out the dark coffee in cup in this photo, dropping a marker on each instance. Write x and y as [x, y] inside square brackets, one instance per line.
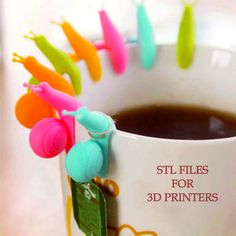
[177, 122]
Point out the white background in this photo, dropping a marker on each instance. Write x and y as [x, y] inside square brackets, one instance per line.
[30, 191]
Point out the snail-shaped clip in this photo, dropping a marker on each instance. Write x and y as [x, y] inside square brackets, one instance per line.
[84, 49]
[90, 158]
[186, 36]
[60, 60]
[50, 136]
[145, 37]
[114, 43]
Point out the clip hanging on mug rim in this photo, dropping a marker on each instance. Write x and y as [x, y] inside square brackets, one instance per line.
[114, 43]
[105, 133]
[92, 134]
[185, 48]
[90, 158]
[146, 38]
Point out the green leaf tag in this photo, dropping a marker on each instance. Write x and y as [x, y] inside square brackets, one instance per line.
[89, 208]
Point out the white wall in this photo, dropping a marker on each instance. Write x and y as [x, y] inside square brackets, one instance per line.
[30, 197]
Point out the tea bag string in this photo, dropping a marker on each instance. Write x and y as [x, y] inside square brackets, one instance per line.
[190, 2]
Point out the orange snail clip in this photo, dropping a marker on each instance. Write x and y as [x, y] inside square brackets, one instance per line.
[30, 109]
[84, 50]
[44, 74]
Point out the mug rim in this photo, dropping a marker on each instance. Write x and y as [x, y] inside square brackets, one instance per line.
[129, 135]
[187, 141]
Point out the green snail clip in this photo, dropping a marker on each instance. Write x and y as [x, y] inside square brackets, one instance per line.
[186, 38]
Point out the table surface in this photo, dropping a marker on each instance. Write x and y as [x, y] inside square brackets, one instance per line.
[30, 193]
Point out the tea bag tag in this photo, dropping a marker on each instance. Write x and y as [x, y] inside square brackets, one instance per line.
[89, 207]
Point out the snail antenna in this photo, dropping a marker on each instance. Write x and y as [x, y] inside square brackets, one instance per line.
[31, 35]
[54, 22]
[18, 58]
[33, 88]
[69, 113]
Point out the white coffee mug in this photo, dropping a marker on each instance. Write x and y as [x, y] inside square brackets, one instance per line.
[161, 186]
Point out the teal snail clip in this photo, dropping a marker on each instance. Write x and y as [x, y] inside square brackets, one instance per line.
[84, 161]
[90, 158]
[146, 38]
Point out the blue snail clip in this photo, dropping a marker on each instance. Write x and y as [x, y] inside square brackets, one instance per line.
[145, 38]
[90, 158]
